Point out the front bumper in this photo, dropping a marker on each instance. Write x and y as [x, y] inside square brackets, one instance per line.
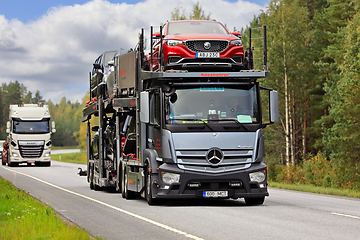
[45, 157]
[205, 64]
[211, 182]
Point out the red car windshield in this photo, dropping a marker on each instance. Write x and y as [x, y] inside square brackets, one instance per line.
[178, 28]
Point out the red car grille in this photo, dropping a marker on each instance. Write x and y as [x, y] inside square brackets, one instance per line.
[198, 45]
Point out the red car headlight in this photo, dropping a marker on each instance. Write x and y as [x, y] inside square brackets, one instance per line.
[236, 42]
[173, 43]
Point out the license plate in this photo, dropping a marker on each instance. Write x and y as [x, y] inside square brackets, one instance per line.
[30, 161]
[215, 194]
[207, 55]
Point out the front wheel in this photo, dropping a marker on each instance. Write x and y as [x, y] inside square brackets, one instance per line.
[126, 193]
[254, 201]
[118, 185]
[91, 177]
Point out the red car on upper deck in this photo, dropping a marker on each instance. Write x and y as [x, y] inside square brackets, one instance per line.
[198, 45]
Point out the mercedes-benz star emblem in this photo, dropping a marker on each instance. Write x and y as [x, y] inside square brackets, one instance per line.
[207, 45]
[214, 156]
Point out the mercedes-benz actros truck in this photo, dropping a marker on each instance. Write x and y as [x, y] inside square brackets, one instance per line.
[178, 134]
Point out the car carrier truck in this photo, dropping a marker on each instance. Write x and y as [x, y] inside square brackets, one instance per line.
[29, 135]
[178, 134]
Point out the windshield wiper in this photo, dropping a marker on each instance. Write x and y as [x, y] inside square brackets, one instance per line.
[194, 119]
[234, 120]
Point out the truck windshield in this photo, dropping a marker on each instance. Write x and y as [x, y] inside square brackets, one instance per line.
[213, 105]
[32, 127]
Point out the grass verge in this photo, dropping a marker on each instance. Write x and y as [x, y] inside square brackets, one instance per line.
[79, 157]
[24, 217]
[59, 148]
[315, 189]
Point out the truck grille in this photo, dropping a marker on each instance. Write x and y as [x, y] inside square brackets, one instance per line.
[196, 161]
[31, 151]
[198, 45]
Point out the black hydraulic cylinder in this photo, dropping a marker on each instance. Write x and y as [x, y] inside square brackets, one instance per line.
[265, 50]
[101, 137]
[161, 49]
[151, 48]
[88, 143]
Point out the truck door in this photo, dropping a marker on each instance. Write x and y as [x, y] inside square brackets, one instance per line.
[155, 126]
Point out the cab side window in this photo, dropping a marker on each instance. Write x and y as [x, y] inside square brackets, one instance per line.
[155, 109]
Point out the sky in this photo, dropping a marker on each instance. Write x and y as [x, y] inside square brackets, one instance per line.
[50, 45]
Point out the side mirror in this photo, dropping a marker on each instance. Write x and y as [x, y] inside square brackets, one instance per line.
[8, 125]
[95, 128]
[156, 35]
[144, 107]
[236, 34]
[97, 66]
[274, 106]
[111, 63]
[53, 130]
[269, 106]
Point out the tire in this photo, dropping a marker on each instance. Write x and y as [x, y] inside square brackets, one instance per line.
[149, 190]
[162, 66]
[126, 193]
[254, 201]
[118, 185]
[91, 177]
[3, 163]
[13, 164]
[97, 187]
[46, 164]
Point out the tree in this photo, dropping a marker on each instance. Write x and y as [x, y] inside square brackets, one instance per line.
[341, 139]
[67, 120]
[196, 14]
[288, 55]
[176, 15]
[81, 134]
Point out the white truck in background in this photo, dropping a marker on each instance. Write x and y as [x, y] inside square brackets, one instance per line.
[29, 135]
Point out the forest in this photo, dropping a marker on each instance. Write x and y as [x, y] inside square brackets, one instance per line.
[65, 114]
[314, 63]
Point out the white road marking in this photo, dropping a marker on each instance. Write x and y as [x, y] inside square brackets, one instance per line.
[345, 215]
[113, 207]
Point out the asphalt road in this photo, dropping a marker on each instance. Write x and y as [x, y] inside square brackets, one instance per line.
[284, 215]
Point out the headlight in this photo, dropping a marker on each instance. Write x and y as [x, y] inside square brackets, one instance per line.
[14, 154]
[47, 154]
[236, 42]
[173, 43]
[257, 176]
[170, 178]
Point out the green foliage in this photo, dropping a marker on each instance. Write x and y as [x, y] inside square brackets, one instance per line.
[319, 171]
[81, 133]
[67, 117]
[196, 14]
[23, 217]
[176, 15]
[316, 46]
[316, 189]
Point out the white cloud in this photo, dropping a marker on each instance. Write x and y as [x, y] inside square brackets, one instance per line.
[54, 53]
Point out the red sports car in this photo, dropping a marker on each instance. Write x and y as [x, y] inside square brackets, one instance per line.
[198, 45]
